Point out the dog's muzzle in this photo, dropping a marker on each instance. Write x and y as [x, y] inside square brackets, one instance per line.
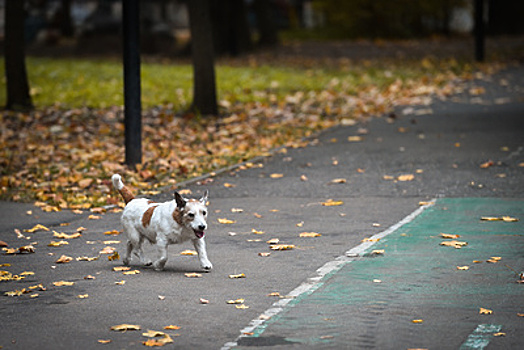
[199, 232]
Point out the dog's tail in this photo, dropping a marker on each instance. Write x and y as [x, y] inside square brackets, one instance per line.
[122, 189]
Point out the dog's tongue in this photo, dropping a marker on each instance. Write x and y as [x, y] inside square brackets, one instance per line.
[199, 234]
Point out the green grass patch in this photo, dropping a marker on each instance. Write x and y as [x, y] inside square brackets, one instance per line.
[71, 83]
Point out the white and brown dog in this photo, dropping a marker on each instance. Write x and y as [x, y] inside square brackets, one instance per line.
[172, 222]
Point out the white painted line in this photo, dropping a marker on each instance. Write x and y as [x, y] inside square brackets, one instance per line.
[258, 325]
[480, 337]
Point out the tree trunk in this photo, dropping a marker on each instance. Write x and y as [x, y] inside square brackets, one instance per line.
[230, 27]
[204, 87]
[265, 24]
[15, 71]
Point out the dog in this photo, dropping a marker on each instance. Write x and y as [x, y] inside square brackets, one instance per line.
[173, 222]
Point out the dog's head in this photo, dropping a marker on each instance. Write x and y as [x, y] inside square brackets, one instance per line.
[192, 213]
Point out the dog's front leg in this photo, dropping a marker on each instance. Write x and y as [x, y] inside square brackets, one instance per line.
[200, 246]
[159, 264]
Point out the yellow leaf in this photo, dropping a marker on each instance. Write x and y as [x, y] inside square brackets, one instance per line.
[406, 177]
[303, 178]
[237, 210]
[107, 250]
[338, 181]
[104, 341]
[417, 321]
[332, 203]
[276, 176]
[273, 241]
[240, 275]
[494, 259]
[37, 228]
[57, 244]
[83, 296]
[282, 247]
[62, 235]
[483, 311]
[509, 219]
[125, 327]
[85, 258]
[151, 334]
[203, 301]
[120, 283]
[264, 254]
[85, 183]
[228, 185]
[236, 301]
[121, 268]
[455, 244]
[355, 138]
[27, 273]
[378, 252]
[257, 232]
[242, 306]
[388, 177]
[64, 259]
[131, 272]
[193, 275]
[499, 334]
[94, 217]
[370, 240]
[226, 221]
[189, 252]
[310, 234]
[448, 236]
[114, 256]
[112, 232]
[172, 327]
[112, 242]
[63, 283]
[462, 267]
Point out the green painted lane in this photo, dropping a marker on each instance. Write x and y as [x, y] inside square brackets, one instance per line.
[413, 295]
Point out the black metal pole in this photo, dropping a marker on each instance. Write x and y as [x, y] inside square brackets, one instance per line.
[479, 30]
[132, 96]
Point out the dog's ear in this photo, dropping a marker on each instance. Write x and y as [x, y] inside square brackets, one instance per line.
[180, 202]
[203, 200]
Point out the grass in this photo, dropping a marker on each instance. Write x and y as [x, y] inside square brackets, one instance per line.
[73, 83]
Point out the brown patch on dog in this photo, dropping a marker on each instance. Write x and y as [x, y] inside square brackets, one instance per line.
[126, 194]
[177, 216]
[146, 218]
[151, 202]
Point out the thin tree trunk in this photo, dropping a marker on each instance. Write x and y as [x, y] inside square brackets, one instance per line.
[15, 70]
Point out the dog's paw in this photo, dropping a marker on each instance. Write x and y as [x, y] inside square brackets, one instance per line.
[207, 265]
[147, 263]
[158, 266]
[125, 262]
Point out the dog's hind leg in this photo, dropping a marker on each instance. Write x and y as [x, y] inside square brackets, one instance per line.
[129, 249]
[140, 253]
[159, 264]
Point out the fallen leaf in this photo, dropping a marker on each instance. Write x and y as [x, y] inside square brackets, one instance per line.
[125, 327]
[120, 283]
[483, 311]
[240, 275]
[303, 178]
[273, 241]
[388, 177]
[111, 242]
[63, 283]
[242, 306]
[112, 232]
[104, 341]
[256, 232]
[17, 292]
[37, 227]
[62, 235]
[204, 301]
[264, 254]
[237, 210]
[310, 234]
[448, 236]
[332, 203]
[64, 259]
[131, 272]
[417, 321]
[355, 138]
[57, 244]
[189, 252]
[226, 221]
[377, 281]
[370, 240]
[494, 259]
[282, 247]
[107, 250]
[453, 243]
[509, 219]
[499, 334]
[487, 164]
[276, 176]
[172, 327]
[406, 177]
[121, 268]
[193, 275]
[338, 181]
[378, 252]
[462, 267]
[151, 334]
[83, 296]
[90, 277]
[228, 185]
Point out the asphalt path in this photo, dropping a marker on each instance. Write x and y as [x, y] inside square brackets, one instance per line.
[388, 165]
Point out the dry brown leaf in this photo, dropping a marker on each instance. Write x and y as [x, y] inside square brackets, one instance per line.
[62, 235]
[64, 259]
[37, 227]
[448, 236]
[172, 327]
[484, 311]
[454, 244]
[310, 234]
[107, 250]
[406, 177]
[112, 232]
[487, 164]
[63, 283]
[264, 254]
[121, 268]
[332, 203]
[338, 181]
[131, 272]
[282, 247]
[126, 327]
[226, 221]
[276, 176]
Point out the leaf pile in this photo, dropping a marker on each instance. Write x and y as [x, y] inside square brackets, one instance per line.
[64, 158]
